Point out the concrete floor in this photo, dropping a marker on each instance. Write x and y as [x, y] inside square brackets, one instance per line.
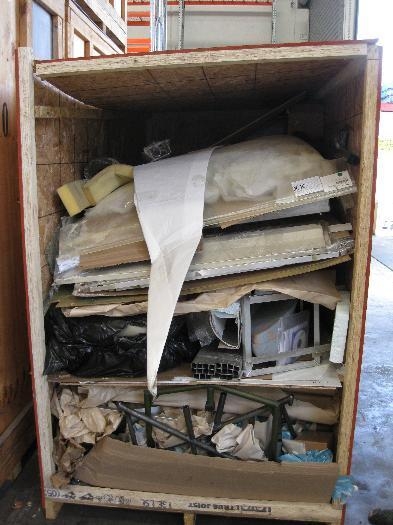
[372, 465]
[383, 251]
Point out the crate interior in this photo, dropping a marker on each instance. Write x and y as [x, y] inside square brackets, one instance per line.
[194, 107]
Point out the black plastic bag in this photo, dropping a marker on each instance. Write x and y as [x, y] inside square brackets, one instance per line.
[92, 346]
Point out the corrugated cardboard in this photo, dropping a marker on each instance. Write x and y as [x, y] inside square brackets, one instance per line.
[314, 440]
[119, 465]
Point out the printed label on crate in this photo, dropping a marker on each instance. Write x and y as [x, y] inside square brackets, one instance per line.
[336, 181]
[307, 186]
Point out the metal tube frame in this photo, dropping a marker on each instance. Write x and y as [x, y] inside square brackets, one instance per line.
[173, 431]
[158, 25]
[269, 406]
[190, 429]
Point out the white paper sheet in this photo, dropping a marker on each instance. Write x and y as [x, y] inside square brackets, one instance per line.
[340, 329]
[169, 198]
[324, 374]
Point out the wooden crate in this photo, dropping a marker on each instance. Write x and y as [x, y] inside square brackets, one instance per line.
[16, 412]
[139, 98]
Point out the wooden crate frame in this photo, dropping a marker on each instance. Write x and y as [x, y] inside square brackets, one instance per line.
[364, 60]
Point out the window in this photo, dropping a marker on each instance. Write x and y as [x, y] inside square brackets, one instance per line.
[42, 33]
[78, 46]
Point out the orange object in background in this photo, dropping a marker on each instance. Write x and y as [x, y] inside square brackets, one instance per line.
[138, 45]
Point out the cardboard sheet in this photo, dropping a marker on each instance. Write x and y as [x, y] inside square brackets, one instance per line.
[229, 281]
[324, 375]
[315, 287]
[219, 283]
[339, 336]
[64, 298]
[115, 464]
[228, 255]
[169, 198]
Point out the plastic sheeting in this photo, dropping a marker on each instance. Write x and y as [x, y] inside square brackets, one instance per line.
[344, 489]
[311, 456]
[265, 175]
[169, 200]
[96, 346]
[262, 169]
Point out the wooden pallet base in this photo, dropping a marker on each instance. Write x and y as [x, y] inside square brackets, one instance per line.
[188, 505]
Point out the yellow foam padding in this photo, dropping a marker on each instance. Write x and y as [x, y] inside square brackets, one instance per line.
[106, 181]
[73, 197]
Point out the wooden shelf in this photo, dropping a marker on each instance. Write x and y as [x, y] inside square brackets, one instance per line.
[201, 78]
[181, 376]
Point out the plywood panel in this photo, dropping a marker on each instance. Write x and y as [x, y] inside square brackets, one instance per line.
[15, 441]
[361, 269]
[81, 140]
[15, 384]
[260, 509]
[62, 151]
[201, 86]
[8, 42]
[14, 363]
[67, 141]
[47, 138]
[96, 138]
[48, 226]
[193, 78]
[346, 101]
[15, 387]
[48, 180]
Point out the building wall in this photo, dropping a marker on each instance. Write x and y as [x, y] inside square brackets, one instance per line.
[212, 23]
[78, 27]
[384, 191]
